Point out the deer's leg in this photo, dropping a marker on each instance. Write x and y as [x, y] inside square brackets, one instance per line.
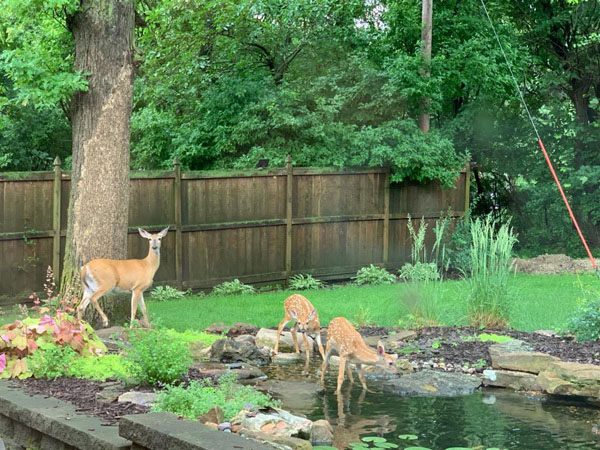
[134, 303]
[328, 351]
[305, 339]
[144, 311]
[349, 371]
[361, 376]
[85, 301]
[295, 337]
[321, 351]
[341, 373]
[94, 299]
[282, 324]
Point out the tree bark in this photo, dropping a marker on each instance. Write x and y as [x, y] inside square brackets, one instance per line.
[99, 202]
[426, 38]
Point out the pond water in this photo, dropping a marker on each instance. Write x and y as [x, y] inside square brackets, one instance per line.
[490, 418]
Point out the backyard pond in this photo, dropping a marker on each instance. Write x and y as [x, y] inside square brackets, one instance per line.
[490, 418]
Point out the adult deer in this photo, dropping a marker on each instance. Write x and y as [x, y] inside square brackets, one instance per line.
[351, 347]
[101, 276]
[297, 307]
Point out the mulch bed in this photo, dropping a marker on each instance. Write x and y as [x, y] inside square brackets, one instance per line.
[460, 345]
[82, 394]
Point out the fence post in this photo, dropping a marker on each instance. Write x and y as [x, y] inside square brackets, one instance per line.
[56, 199]
[178, 225]
[288, 219]
[467, 187]
[386, 217]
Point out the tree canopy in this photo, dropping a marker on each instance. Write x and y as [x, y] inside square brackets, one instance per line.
[223, 84]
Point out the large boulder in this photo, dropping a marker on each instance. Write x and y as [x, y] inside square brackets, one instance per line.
[266, 337]
[321, 433]
[516, 355]
[273, 421]
[245, 372]
[433, 384]
[299, 396]
[517, 381]
[228, 350]
[570, 378]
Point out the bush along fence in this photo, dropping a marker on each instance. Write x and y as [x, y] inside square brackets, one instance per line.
[260, 225]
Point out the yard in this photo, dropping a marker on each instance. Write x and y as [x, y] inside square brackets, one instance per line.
[541, 302]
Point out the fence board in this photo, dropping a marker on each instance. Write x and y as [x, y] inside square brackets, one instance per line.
[233, 224]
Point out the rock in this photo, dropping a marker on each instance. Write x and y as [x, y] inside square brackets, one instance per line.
[297, 396]
[569, 378]
[266, 337]
[432, 383]
[245, 339]
[215, 415]
[547, 333]
[321, 433]
[112, 337]
[212, 425]
[224, 426]
[278, 442]
[216, 370]
[110, 392]
[516, 355]
[517, 381]
[287, 358]
[228, 350]
[274, 421]
[138, 398]
[200, 351]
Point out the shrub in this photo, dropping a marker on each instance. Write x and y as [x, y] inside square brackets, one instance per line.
[374, 276]
[100, 368]
[489, 299]
[22, 339]
[459, 249]
[200, 396]
[166, 293]
[584, 323]
[235, 287]
[362, 318]
[419, 272]
[51, 361]
[304, 282]
[157, 357]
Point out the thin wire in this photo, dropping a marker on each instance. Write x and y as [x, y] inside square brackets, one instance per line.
[541, 144]
[510, 70]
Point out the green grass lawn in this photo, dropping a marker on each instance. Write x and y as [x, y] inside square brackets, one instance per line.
[541, 302]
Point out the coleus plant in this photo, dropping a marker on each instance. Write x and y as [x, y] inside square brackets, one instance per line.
[22, 338]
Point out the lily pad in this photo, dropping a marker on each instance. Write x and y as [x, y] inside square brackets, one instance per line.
[417, 448]
[358, 445]
[385, 445]
[373, 439]
[408, 437]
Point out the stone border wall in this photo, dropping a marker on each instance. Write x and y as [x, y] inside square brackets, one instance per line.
[35, 422]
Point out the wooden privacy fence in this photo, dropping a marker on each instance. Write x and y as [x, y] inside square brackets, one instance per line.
[260, 226]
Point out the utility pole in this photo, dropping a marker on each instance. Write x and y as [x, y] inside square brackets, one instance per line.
[427, 21]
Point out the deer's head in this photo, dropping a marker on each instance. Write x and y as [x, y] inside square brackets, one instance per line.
[386, 360]
[304, 323]
[154, 239]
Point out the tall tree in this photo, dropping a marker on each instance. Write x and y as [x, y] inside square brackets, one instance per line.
[99, 203]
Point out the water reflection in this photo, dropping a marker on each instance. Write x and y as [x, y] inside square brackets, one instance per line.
[496, 418]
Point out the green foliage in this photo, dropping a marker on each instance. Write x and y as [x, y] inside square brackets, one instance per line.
[373, 275]
[235, 287]
[584, 322]
[497, 338]
[490, 299]
[23, 338]
[200, 396]
[304, 282]
[419, 272]
[190, 336]
[157, 357]
[459, 248]
[51, 361]
[166, 293]
[100, 368]
[362, 318]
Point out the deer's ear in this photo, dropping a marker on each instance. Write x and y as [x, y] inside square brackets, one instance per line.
[144, 233]
[380, 349]
[293, 314]
[312, 315]
[163, 233]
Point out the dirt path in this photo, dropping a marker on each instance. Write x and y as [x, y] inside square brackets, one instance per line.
[553, 264]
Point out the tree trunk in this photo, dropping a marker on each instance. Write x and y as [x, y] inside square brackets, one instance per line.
[99, 202]
[426, 30]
